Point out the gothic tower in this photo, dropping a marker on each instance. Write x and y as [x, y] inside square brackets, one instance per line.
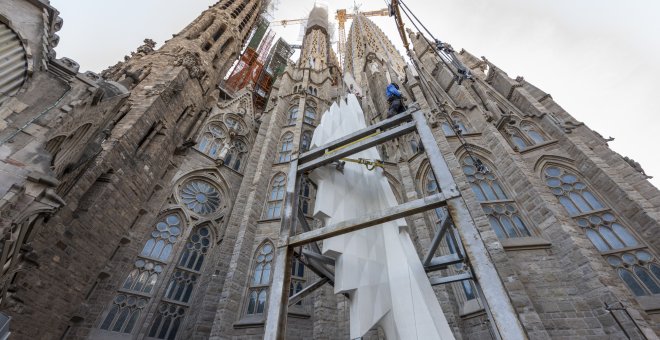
[304, 90]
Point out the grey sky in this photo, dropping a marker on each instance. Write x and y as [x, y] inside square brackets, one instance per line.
[598, 58]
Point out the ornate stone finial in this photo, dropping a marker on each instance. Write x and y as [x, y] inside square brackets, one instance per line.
[192, 62]
[636, 166]
[147, 48]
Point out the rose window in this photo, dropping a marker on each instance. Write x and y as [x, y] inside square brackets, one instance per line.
[200, 197]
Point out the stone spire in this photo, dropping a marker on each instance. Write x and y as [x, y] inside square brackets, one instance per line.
[366, 40]
[316, 52]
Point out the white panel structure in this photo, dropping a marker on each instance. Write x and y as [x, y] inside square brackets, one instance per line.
[377, 267]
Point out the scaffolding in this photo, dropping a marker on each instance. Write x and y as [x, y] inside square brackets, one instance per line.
[298, 239]
[251, 62]
[273, 68]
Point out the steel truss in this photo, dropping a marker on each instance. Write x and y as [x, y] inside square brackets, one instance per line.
[295, 233]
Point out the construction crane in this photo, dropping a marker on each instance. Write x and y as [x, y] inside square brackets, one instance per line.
[341, 17]
[283, 23]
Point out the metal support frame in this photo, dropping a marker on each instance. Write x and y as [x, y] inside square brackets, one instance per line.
[470, 248]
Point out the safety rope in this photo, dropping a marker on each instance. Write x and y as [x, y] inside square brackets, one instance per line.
[463, 73]
[370, 164]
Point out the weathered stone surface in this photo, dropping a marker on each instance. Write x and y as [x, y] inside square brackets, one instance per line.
[90, 165]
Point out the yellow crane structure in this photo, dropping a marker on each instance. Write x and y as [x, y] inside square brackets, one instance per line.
[342, 16]
[283, 23]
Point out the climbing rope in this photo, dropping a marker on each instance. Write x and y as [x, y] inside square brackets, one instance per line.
[449, 60]
[370, 164]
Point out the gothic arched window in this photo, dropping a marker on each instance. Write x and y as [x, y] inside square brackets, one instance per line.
[293, 115]
[416, 146]
[156, 252]
[305, 141]
[310, 113]
[275, 197]
[306, 196]
[260, 279]
[430, 187]
[572, 193]
[532, 132]
[517, 139]
[123, 314]
[286, 146]
[161, 242]
[638, 269]
[297, 278]
[523, 134]
[212, 140]
[236, 154]
[167, 321]
[501, 210]
[181, 285]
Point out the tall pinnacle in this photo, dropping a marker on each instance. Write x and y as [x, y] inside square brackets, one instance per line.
[365, 38]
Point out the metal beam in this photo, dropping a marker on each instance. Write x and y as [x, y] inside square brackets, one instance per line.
[438, 165]
[505, 317]
[318, 269]
[319, 257]
[357, 147]
[382, 125]
[403, 210]
[449, 279]
[436, 240]
[306, 291]
[305, 227]
[442, 262]
[278, 297]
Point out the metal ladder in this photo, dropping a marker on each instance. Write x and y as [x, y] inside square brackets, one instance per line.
[463, 232]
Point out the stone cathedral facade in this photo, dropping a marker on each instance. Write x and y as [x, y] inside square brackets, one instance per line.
[145, 203]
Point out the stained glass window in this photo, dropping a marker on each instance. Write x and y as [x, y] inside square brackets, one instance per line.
[286, 147]
[306, 196]
[123, 314]
[167, 321]
[305, 141]
[149, 265]
[310, 114]
[235, 155]
[532, 133]
[211, 140]
[431, 187]
[637, 270]
[260, 279]
[200, 196]
[143, 278]
[293, 115]
[572, 193]
[297, 279]
[276, 197]
[504, 217]
[166, 233]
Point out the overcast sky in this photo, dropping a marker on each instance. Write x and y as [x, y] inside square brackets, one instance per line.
[597, 58]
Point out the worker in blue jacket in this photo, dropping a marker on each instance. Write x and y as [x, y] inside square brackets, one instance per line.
[395, 99]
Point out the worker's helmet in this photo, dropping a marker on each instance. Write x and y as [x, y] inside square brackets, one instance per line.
[396, 85]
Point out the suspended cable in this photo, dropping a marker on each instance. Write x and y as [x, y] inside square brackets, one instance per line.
[452, 61]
